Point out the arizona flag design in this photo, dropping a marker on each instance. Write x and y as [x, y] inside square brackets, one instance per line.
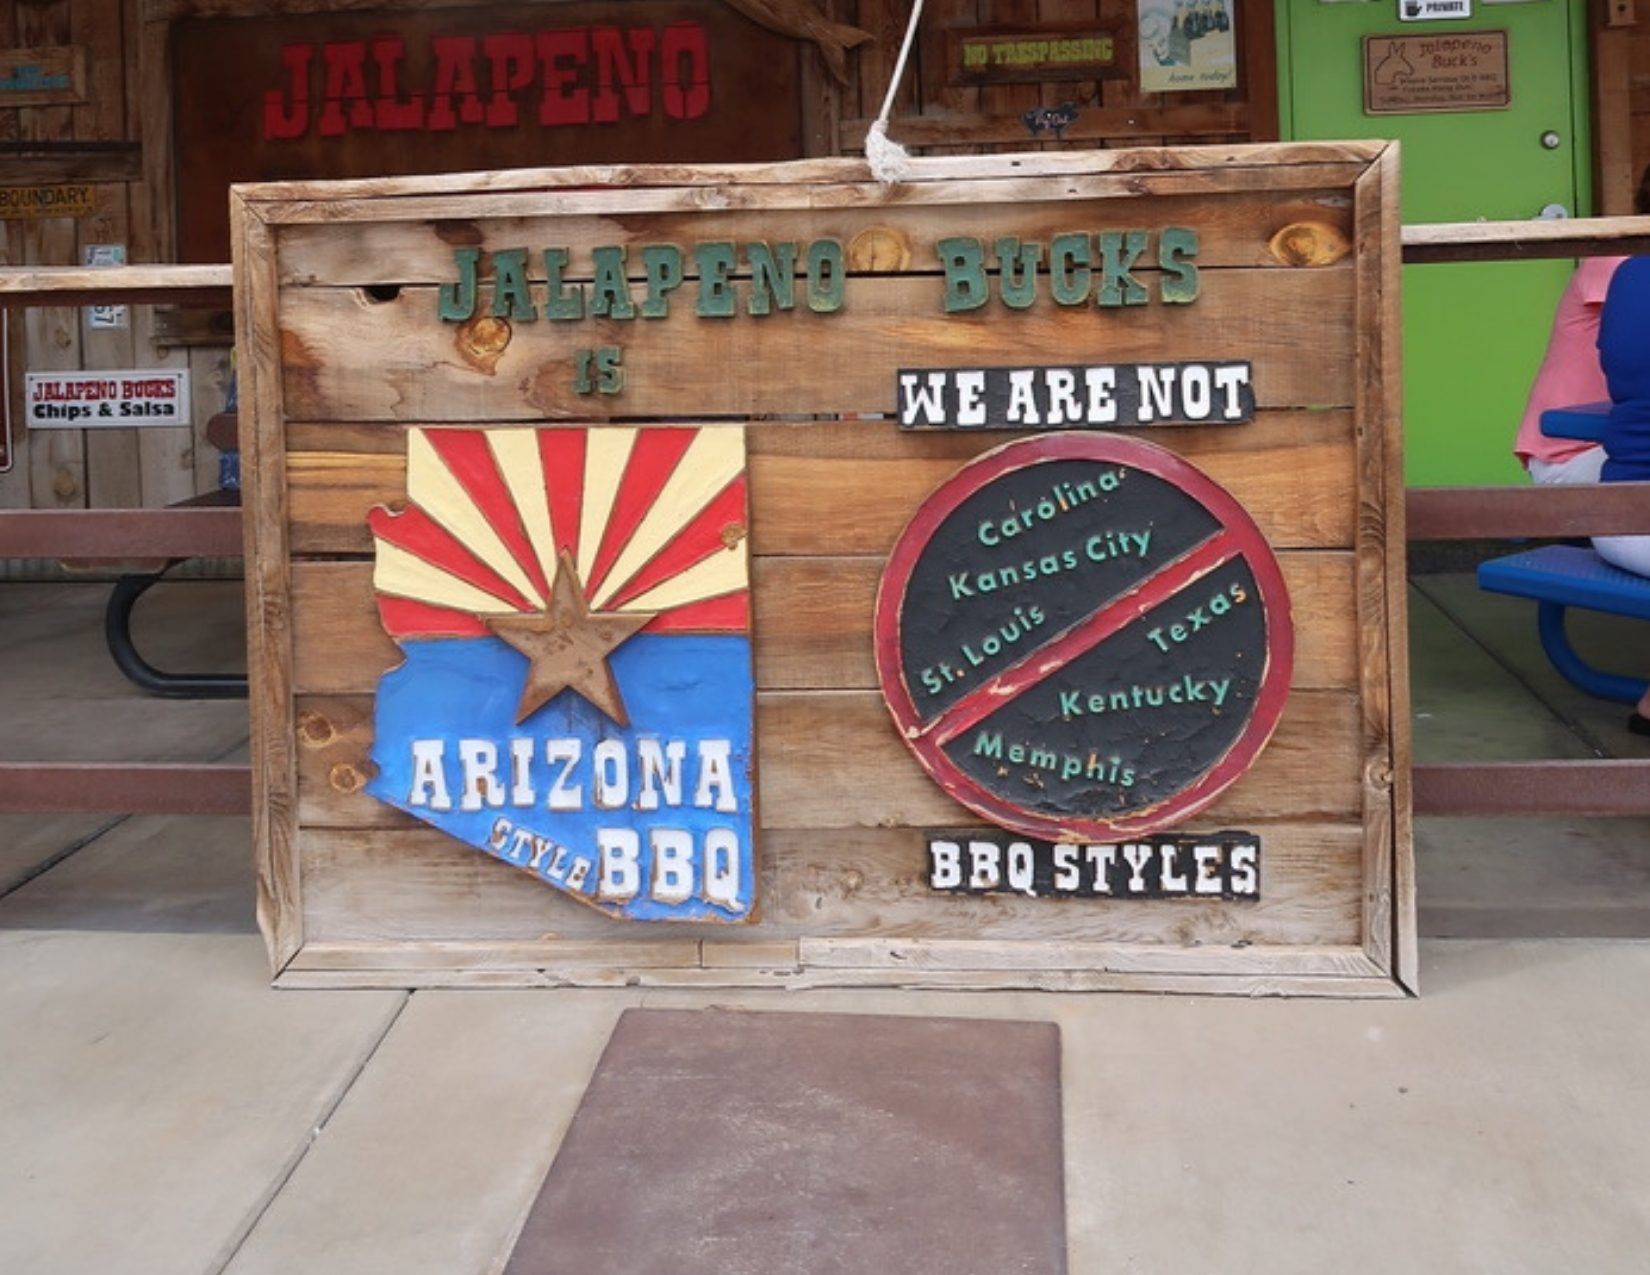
[577, 696]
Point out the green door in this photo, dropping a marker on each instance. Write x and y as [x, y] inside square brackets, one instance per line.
[1473, 333]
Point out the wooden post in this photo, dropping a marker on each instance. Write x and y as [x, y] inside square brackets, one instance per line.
[1614, 180]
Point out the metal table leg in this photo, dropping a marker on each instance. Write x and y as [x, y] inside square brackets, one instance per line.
[117, 629]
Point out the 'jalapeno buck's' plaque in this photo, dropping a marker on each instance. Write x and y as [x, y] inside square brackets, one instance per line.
[767, 577]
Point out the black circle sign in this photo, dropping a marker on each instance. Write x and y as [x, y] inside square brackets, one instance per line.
[1082, 637]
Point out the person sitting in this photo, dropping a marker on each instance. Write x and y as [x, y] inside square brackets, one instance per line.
[1624, 356]
[1570, 374]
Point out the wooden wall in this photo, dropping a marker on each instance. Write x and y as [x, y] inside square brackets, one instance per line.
[1620, 50]
[931, 117]
[1622, 102]
[126, 43]
[100, 468]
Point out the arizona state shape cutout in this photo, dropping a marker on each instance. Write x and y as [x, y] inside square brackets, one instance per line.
[577, 695]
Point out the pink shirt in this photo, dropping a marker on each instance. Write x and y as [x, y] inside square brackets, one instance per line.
[1569, 373]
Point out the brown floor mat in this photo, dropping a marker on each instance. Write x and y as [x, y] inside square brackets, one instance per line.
[714, 1141]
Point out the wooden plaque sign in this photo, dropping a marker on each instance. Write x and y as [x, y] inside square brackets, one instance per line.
[32, 203]
[1429, 74]
[1034, 55]
[760, 576]
[54, 76]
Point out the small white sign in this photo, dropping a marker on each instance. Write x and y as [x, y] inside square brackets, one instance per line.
[1434, 10]
[106, 254]
[106, 400]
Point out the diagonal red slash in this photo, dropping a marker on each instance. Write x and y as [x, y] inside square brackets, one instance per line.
[1050, 658]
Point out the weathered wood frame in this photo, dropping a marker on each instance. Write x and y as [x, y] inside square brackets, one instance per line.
[1382, 964]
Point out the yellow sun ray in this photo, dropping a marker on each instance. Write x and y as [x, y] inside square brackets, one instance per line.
[516, 452]
[405, 575]
[606, 453]
[437, 491]
[722, 572]
[712, 460]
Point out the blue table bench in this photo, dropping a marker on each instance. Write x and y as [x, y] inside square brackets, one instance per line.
[1562, 576]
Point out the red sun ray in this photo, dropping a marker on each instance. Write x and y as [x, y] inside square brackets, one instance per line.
[730, 613]
[403, 617]
[472, 462]
[420, 535]
[703, 536]
[561, 452]
[652, 461]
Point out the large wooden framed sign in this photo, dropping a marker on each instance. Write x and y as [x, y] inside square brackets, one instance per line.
[760, 576]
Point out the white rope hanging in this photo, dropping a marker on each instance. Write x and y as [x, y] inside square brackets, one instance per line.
[890, 161]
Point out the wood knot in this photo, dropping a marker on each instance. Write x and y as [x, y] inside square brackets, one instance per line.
[64, 485]
[544, 388]
[879, 248]
[481, 342]
[345, 778]
[1309, 243]
[460, 234]
[314, 730]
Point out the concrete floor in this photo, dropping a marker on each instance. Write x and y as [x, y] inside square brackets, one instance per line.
[162, 1111]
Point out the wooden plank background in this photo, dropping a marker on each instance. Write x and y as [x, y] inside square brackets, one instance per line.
[106, 468]
[1296, 470]
[404, 367]
[130, 101]
[842, 804]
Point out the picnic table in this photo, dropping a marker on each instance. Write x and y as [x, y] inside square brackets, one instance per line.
[138, 577]
[1558, 577]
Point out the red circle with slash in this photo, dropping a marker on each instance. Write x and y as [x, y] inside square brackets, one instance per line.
[1142, 567]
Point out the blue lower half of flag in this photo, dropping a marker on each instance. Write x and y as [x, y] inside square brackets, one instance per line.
[651, 821]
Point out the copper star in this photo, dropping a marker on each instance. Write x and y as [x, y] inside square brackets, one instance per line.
[567, 646]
